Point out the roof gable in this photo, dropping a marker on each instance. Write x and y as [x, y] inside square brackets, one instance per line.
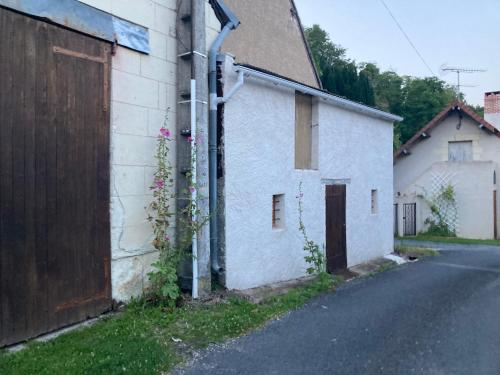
[271, 37]
[439, 118]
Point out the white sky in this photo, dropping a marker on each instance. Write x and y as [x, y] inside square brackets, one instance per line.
[464, 33]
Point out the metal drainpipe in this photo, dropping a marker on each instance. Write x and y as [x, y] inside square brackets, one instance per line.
[212, 143]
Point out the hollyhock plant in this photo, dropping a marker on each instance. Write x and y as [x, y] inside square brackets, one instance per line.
[164, 132]
[159, 184]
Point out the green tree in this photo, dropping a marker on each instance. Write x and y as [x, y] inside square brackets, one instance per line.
[423, 98]
[338, 74]
[325, 52]
[365, 89]
[417, 100]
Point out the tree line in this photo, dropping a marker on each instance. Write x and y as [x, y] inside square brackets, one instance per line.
[415, 99]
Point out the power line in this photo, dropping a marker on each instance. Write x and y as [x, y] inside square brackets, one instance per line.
[407, 37]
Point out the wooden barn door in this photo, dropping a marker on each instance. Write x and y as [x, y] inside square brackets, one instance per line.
[54, 177]
[336, 254]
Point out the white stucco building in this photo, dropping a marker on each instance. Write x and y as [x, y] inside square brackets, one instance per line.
[279, 130]
[456, 148]
[351, 149]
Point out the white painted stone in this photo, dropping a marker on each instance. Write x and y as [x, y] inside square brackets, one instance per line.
[259, 131]
[127, 60]
[127, 180]
[158, 44]
[171, 4]
[129, 276]
[137, 11]
[130, 210]
[133, 240]
[133, 89]
[164, 20]
[129, 119]
[171, 49]
[157, 69]
[167, 97]
[133, 150]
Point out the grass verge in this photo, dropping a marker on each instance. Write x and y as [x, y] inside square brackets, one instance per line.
[146, 340]
[415, 252]
[458, 240]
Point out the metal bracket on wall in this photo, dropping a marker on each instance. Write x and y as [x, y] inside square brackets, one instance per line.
[88, 20]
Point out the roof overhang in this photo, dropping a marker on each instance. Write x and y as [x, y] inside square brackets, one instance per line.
[424, 133]
[327, 97]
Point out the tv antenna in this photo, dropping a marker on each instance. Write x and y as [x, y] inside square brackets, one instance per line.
[459, 70]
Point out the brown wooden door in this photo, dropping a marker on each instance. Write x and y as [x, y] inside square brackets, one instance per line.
[336, 254]
[495, 215]
[54, 177]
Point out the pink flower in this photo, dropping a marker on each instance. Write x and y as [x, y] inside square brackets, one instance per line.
[159, 184]
[190, 139]
[165, 132]
[192, 189]
[167, 238]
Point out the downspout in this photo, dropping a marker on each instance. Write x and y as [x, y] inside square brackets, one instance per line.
[231, 23]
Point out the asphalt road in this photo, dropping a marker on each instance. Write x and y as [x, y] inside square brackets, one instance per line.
[439, 316]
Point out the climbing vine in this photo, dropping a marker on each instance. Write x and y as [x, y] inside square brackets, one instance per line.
[315, 254]
[443, 206]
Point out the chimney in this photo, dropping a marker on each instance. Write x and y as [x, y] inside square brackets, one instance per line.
[492, 108]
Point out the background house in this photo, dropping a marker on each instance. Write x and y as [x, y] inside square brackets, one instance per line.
[279, 130]
[456, 148]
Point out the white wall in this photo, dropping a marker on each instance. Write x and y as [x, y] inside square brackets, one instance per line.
[143, 87]
[360, 148]
[259, 130]
[473, 180]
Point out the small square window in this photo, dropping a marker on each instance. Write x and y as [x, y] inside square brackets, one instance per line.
[460, 151]
[374, 202]
[278, 211]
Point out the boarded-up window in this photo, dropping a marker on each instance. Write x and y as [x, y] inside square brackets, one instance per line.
[303, 131]
[460, 151]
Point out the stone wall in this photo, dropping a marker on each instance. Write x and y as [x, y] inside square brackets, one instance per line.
[143, 88]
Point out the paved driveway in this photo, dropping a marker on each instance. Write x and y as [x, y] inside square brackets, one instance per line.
[437, 316]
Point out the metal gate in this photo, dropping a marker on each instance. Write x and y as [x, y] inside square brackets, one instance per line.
[54, 177]
[409, 219]
[396, 220]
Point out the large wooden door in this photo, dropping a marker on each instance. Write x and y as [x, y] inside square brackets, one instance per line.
[54, 177]
[336, 254]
